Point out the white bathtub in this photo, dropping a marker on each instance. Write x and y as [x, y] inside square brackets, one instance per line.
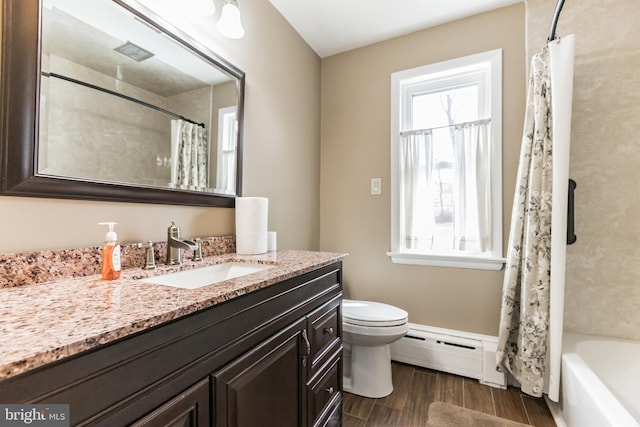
[600, 383]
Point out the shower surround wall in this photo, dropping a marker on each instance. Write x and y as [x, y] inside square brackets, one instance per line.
[143, 156]
[602, 293]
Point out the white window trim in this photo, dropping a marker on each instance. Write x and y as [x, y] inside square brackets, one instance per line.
[399, 81]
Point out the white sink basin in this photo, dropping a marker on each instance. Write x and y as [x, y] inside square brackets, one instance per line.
[198, 277]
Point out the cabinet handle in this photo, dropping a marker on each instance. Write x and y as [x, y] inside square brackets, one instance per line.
[307, 347]
[328, 331]
[329, 390]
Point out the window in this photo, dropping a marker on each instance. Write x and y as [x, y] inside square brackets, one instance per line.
[446, 163]
[227, 131]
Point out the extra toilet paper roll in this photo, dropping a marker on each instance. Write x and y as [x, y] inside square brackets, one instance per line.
[272, 241]
[252, 217]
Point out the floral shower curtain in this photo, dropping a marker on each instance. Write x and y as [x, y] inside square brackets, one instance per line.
[189, 155]
[524, 320]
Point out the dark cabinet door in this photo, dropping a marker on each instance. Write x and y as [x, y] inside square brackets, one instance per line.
[266, 386]
[189, 409]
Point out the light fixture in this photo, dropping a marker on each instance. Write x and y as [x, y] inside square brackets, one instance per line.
[201, 7]
[229, 24]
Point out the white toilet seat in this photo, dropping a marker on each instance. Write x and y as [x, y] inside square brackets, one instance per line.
[375, 331]
[372, 314]
[380, 324]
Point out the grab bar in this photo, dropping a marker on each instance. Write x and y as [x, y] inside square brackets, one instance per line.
[571, 235]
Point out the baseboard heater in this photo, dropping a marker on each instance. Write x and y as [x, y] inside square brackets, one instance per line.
[457, 352]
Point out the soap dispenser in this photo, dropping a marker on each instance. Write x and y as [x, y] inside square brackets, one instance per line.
[110, 254]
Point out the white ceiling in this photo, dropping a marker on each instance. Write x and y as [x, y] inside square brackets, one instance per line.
[334, 26]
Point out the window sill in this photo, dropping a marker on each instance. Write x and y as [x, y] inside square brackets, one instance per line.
[454, 261]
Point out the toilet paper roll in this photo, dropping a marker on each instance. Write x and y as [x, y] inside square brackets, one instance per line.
[252, 217]
[272, 241]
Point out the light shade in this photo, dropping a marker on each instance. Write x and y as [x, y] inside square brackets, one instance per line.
[229, 24]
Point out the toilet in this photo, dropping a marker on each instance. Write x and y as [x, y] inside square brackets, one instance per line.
[368, 329]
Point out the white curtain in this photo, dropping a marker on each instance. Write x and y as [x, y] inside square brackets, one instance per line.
[227, 180]
[471, 193]
[472, 187]
[524, 321]
[416, 195]
[189, 155]
[227, 150]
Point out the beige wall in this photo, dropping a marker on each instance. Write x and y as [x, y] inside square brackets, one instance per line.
[356, 147]
[603, 266]
[281, 152]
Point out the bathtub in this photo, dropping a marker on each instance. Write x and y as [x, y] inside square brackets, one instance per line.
[600, 380]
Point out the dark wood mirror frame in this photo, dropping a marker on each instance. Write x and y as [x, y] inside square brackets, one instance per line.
[19, 116]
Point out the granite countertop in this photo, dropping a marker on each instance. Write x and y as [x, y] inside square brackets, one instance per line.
[42, 323]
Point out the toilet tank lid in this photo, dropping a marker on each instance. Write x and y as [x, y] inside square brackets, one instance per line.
[371, 311]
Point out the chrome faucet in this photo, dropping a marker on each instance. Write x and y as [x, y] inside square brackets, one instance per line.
[175, 244]
[149, 255]
[197, 254]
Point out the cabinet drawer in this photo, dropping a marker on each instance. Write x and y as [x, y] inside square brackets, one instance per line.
[325, 330]
[324, 392]
[333, 417]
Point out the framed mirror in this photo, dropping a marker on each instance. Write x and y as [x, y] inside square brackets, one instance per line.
[105, 100]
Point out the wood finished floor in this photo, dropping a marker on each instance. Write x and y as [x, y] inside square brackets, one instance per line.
[415, 388]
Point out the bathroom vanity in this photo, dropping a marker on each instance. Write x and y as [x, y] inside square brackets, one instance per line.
[265, 350]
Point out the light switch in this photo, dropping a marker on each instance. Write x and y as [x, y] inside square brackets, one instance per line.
[376, 186]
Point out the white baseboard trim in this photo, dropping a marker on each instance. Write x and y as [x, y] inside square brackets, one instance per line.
[457, 352]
